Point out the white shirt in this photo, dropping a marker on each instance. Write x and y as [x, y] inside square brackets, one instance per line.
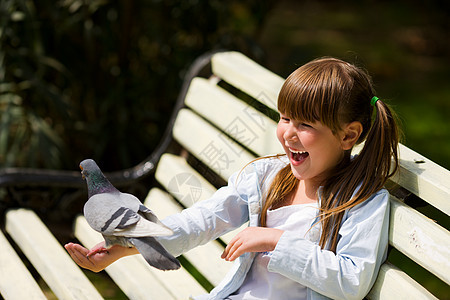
[263, 284]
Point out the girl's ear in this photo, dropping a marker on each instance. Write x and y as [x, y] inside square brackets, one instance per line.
[350, 134]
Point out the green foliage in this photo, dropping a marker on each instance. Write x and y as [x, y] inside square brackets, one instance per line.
[98, 79]
[404, 45]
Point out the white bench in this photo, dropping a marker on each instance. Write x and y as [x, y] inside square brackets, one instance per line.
[219, 130]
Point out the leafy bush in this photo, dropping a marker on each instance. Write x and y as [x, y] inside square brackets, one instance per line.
[98, 78]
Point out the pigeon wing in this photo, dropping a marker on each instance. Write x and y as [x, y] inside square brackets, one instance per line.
[105, 214]
[149, 215]
[143, 228]
[116, 214]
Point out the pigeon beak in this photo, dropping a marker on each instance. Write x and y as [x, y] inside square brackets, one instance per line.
[82, 173]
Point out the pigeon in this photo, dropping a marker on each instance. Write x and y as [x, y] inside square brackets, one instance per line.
[123, 220]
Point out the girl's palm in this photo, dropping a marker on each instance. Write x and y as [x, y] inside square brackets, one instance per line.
[95, 262]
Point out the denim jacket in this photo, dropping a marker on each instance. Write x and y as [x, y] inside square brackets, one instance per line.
[348, 274]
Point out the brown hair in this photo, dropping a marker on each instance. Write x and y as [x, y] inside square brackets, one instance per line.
[334, 93]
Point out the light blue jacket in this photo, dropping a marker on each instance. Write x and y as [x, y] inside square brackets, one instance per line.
[348, 274]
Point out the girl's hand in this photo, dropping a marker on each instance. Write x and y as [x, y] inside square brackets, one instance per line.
[252, 239]
[100, 260]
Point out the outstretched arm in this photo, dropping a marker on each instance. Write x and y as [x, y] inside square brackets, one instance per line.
[99, 260]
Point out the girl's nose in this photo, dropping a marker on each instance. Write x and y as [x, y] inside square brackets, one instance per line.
[290, 134]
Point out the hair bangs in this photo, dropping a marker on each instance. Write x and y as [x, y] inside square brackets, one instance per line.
[298, 104]
[312, 94]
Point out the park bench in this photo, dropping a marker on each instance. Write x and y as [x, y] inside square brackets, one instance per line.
[224, 118]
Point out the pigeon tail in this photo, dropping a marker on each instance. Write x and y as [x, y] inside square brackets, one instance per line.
[155, 254]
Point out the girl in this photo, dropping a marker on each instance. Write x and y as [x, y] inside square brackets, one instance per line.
[318, 216]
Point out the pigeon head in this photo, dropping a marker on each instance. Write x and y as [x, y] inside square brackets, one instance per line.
[96, 182]
[88, 167]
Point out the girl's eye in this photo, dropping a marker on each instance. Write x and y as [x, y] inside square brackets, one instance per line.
[296, 123]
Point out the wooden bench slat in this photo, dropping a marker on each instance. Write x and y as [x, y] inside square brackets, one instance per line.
[133, 275]
[164, 205]
[424, 178]
[238, 119]
[14, 274]
[47, 255]
[211, 146]
[420, 239]
[205, 258]
[248, 76]
[182, 181]
[394, 284]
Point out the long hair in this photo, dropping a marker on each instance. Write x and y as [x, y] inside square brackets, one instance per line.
[334, 93]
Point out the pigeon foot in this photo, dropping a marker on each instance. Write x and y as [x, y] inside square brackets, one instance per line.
[97, 250]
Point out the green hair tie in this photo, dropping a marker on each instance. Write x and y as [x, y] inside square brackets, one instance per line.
[374, 100]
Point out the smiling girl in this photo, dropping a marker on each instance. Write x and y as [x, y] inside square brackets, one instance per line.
[318, 215]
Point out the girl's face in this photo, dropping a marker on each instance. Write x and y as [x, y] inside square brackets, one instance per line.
[312, 148]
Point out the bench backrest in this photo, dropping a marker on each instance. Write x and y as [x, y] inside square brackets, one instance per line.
[229, 120]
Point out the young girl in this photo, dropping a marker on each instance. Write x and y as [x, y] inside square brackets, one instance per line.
[318, 216]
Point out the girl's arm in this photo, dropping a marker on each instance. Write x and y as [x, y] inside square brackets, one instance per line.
[206, 220]
[351, 272]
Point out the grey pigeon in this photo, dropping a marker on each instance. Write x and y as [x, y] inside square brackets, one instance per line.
[123, 220]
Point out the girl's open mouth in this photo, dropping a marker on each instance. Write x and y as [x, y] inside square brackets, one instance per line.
[298, 156]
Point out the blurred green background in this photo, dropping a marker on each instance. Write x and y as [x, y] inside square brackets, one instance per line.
[99, 78]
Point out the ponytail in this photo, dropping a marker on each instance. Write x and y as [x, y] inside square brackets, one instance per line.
[367, 173]
[381, 144]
